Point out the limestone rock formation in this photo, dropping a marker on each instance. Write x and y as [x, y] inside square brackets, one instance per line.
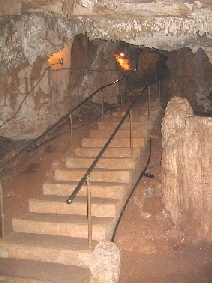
[40, 28]
[186, 168]
[187, 77]
[105, 263]
[36, 96]
[31, 31]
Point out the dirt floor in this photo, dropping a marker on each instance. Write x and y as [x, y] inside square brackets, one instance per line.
[153, 250]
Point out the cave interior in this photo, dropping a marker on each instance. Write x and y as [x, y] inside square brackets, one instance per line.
[52, 62]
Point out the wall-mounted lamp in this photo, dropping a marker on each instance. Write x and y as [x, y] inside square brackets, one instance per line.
[123, 61]
[61, 61]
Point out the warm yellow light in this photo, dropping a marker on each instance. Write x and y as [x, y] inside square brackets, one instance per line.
[123, 62]
[56, 60]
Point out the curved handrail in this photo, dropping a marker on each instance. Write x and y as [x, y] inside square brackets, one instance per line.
[90, 169]
[32, 144]
[142, 174]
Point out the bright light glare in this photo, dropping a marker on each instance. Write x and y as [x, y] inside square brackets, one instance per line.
[123, 62]
[121, 54]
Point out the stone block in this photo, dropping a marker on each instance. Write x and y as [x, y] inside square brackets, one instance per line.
[105, 263]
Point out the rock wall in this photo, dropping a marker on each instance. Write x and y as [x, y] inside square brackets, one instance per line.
[25, 101]
[60, 99]
[186, 168]
[33, 97]
[34, 30]
[38, 28]
[189, 76]
[25, 37]
[97, 67]
[146, 69]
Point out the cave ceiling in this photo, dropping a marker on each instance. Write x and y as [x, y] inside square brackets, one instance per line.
[29, 29]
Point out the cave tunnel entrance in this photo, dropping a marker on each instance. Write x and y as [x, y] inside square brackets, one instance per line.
[72, 74]
[95, 63]
[183, 73]
[83, 66]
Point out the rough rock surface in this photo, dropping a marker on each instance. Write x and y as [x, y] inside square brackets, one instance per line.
[35, 97]
[105, 263]
[31, 31]
[186, 168]
[38, 28]
[188, 77]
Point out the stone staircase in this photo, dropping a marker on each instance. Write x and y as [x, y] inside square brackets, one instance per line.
[49, 244]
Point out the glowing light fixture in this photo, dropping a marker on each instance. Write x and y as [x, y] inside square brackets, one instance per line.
[60, 61]
[123, 61]
[56, 59]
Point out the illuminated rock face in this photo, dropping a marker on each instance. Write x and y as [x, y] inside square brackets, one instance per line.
[186, 168]
[31, 31]
[35, 97]
[165, 25]
[40, 28]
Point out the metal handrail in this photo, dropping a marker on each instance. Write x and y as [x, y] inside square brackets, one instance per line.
[32, 144]
[142, 174]
[86, 177]
[90, 169]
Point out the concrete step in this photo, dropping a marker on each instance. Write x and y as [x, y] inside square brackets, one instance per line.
[154, 106]
[97, 134]
[29, 271]
[47, 248]
[15, 279]
[153, 113]
[104, 163]
[145, 118]
[154, 103]
[98, 189]
[75, 226]
[98, 175]
[100, 207]
[138, 114]
[136, 117]
[126, 125]
[138, 109]
[124, 142]
[110, 152]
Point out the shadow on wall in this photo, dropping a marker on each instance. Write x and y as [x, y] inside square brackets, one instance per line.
[189, 76]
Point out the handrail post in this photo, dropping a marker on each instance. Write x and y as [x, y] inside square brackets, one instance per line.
[89, 212]
[1, 213]
[131, 132]
[121, 97]
[71, 128]
[102, 105]
[148, 89]
[159, 91]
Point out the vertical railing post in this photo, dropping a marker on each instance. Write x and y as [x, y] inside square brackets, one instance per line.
[1, 213]
[71, 129]
[121, 96]
[148, 89]
[159, 91]
[89, 212]
[131, 131]
[102, 105]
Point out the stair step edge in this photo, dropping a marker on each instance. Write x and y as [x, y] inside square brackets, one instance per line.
[29, 271]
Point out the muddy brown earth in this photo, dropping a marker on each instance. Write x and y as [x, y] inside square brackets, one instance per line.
[153, 249]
